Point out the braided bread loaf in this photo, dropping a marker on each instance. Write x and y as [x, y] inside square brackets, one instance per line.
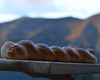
[26, 49]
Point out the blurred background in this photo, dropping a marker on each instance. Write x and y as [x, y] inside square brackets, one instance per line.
[53, 22]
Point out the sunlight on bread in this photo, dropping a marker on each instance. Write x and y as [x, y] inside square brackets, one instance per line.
[27, 50]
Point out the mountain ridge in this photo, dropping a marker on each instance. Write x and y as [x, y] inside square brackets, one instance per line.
[61, 32]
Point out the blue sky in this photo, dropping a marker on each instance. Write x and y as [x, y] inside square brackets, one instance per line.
[13, 9]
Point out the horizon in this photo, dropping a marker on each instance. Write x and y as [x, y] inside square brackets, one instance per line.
[53, 9]
[45, 18]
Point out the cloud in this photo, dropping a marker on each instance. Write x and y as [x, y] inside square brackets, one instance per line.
[49, 8]
[43, 6]
[1, 2]
[50, 15]
[37, 3]
[8, 17]
[61, 14]
[25, 7]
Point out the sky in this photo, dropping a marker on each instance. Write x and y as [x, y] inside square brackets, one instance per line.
[14, 9]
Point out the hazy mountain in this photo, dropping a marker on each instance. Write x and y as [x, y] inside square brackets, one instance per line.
[61, 32]
[87, 32]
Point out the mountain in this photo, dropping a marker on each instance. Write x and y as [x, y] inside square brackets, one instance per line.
[67, 31]
[36, 29]
[87, 33]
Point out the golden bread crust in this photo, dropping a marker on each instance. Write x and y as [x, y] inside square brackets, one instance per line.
[32, 51]
[87, 57]
[74, 56]
[26, 49]
[60, 54]
[46, 52]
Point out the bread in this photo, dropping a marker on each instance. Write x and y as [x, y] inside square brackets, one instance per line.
[31, 50]
[12, 51]
[61, 55]
[74, 56]
[91, 51]
[86, 56]
[26, 49]
[46, 52]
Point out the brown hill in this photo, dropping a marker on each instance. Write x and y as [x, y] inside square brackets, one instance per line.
[87, 32]
[62, 32]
